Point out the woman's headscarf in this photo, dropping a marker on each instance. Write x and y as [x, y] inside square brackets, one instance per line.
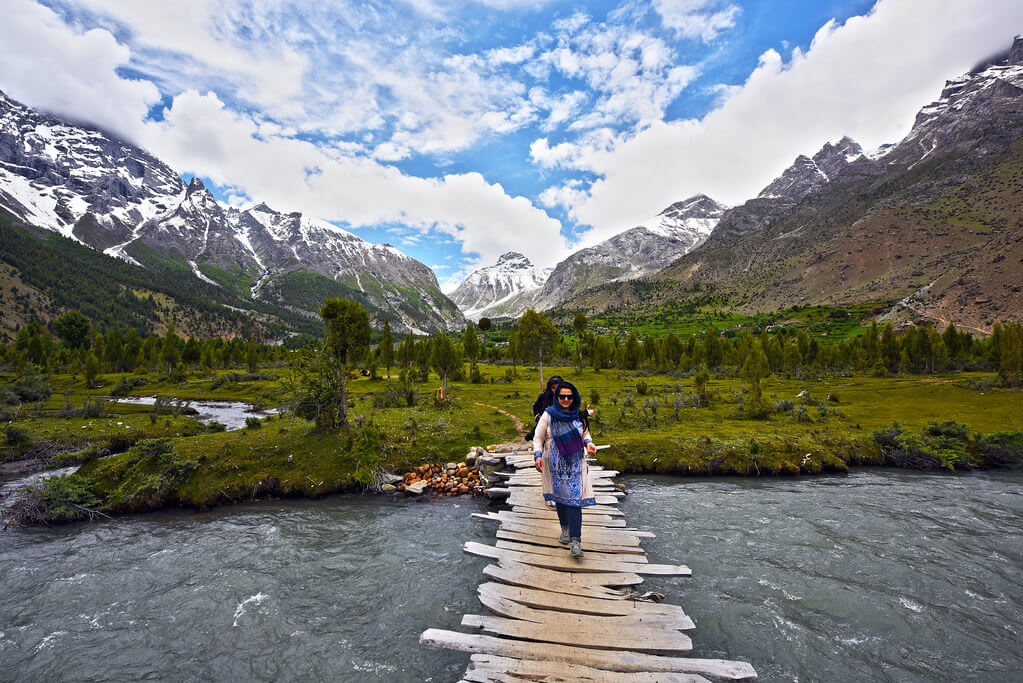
[546, 399]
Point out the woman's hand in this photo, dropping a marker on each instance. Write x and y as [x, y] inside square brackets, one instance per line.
[538, 463]
[591, 448]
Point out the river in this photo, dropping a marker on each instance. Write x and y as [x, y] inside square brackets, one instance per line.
[877, 575]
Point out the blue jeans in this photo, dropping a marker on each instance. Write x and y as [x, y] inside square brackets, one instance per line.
[571, 517]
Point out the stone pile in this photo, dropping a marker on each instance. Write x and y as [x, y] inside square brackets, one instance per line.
[440, 479]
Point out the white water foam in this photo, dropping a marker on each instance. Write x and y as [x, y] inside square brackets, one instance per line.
[48, 640]
[910, 605]
[256, 599]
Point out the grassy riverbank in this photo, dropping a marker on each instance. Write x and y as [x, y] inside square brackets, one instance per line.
[653, 423]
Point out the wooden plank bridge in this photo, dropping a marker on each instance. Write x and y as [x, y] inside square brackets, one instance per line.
[557, 618]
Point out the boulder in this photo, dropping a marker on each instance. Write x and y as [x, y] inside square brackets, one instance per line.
[391, 479]
[416, 488]
[388, 488]
[803, 394]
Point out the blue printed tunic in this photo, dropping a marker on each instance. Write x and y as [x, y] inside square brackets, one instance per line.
[565, 482]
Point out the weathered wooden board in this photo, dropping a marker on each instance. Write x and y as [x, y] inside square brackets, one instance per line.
[635, 638]
[606, 536]
[552, 519]
[562, 551]
[552, 542]
[493, 669]
[611, 660]
[569, 583]
[529, 507]
[574, 564]
[511, 609]
[547, 600]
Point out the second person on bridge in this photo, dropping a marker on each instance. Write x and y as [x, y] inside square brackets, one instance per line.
[560, 446]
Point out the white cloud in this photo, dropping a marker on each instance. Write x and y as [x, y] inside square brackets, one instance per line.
[200, 135]
[270, 72]
[45, 63]
[700, 19]
[866, 78]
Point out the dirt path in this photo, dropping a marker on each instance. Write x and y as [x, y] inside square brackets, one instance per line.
[518, 423]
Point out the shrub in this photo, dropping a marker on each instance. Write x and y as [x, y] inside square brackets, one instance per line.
[74, 458]
[126, 384]
[924, 452]
[90, 408]
[32, 388]
[403, 395]
[833, 398]
[253, 422]
[215, 426]
[594, 397]
[784, 406]
[1002, 448]
[953, 430]
[475, 377]
[642, 388]
[234, 377]
[800, 415]
[16, 436]
[54, 499]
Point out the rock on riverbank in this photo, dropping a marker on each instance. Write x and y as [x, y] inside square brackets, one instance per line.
[440, 479]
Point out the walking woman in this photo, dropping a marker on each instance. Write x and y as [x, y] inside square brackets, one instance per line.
[544, 401]
[560, 445]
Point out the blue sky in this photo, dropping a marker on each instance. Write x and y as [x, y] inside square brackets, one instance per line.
[460, 130]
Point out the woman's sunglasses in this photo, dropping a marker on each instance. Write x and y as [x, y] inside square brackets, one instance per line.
[564, 397]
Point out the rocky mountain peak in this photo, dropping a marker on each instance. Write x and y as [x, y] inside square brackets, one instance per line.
[1016, 52]
[513, 258]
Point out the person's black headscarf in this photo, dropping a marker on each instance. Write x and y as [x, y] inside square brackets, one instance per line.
[544, 401]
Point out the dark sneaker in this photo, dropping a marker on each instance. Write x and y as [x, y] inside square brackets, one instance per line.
[576, 548]
[563, 538]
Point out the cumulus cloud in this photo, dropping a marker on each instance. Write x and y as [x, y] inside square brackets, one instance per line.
[700, 19]
[865, 78]
[199, 134]
[47, 64]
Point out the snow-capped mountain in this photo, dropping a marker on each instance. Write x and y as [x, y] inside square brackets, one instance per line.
[505, 289]
[634, 253]
[116, 197]
[980, 109]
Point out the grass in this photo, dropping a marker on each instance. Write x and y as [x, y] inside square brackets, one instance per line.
[658, 431]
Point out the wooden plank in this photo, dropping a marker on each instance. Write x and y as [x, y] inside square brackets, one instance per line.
[541, 519]
[611, 660]
[509, 517]
[574, 564]
[548, 600]
[569, 583]
[553, 531]
[634, 638]
[493, 669]
[613, 613]
[531, 507]
[562, 551]
[552, 542]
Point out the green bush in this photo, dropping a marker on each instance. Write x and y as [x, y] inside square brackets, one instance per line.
[90, 408]
[52, 500]
[952, 430]
[215, 426]
[927, 451]
[1002, 449]
[253, 422]
[74, 458]
[642, 388]
[16, 436]
[126, 384]
[594, 397]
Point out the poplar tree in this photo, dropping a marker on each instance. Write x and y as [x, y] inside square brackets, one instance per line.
[538, 337]
[386, 348]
